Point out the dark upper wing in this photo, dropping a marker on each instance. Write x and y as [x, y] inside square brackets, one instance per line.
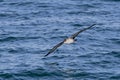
[54, 48]
[74, 35]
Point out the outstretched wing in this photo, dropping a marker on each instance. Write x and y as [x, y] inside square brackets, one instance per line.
[54, 48]
[74, 35]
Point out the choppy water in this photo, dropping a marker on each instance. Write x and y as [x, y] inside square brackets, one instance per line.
[29, 28]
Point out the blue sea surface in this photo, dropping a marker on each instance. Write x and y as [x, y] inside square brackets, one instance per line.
[30, 28]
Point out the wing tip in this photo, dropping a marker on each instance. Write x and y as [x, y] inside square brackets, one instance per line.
[93, 24]
[46, 54]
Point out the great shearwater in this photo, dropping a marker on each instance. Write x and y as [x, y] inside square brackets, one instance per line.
[69, 40]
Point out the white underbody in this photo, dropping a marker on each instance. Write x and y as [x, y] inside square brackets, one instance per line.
[69, 40]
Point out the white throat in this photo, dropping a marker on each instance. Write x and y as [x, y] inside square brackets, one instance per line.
[69, 40]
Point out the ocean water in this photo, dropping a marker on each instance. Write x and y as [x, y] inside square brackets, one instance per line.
[30, 28]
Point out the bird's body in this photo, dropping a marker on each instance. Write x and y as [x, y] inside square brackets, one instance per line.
[69, 40]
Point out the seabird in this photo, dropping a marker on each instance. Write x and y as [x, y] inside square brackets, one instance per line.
[69, 40]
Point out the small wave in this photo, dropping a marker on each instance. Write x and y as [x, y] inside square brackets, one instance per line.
[20, 3]
[6, 75]
[75, 12]
[115, 77]
[11, 14]
[23, 50]
[17, 38]
[115, 40]
[33, 73]
[54, 73]
[115, 53]
[86, 6]
[57, 74]
[112, 53]
[11, 50]
[112, 0]
[88, 12]
[44, 5]
[40, 72]
[99, 12]
[1, 0]
[76, 24]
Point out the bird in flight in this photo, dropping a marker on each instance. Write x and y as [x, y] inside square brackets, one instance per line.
[69, 40]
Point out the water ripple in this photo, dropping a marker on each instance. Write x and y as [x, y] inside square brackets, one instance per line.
[17, 38]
